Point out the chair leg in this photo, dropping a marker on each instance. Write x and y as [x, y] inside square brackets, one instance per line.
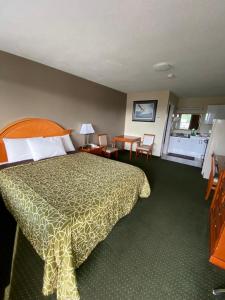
[207, 193]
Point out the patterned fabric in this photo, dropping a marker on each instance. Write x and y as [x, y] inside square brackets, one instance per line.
[66, 205]
[144, 147]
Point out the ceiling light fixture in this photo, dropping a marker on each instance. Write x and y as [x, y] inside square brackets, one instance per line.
[162, 66]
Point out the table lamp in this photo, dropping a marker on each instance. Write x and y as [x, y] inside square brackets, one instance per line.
[86, 129]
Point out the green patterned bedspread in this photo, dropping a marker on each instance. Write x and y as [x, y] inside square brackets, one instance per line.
[66, 205]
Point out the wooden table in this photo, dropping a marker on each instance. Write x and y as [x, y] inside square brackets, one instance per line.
[126, 139]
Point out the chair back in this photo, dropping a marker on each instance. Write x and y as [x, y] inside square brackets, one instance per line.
[148, 139]
[102, 139]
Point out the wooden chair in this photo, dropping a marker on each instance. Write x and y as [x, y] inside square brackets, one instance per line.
[108, 150]
[213, 178]
[146, 146]
[217, 229]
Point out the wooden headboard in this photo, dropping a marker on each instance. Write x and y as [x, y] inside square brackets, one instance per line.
[27, 128]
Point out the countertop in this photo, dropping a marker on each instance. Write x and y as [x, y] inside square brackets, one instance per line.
[188, 136]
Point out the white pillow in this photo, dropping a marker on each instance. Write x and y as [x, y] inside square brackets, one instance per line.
[46, 147]
[67, 143]
[17, 149]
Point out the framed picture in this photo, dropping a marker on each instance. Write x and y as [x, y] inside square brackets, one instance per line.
[144, 111]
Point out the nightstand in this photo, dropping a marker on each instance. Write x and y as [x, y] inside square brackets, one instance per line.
[93, 149]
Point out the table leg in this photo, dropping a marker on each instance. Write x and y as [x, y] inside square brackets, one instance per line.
[131, 144]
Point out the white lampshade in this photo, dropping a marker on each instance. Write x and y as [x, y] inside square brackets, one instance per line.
[86, 128]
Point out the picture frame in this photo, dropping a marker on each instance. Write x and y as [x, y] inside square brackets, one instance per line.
[144, 110]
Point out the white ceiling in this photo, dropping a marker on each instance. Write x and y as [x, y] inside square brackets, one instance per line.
[116, 42]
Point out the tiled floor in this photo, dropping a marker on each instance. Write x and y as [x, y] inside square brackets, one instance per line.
[194, 163]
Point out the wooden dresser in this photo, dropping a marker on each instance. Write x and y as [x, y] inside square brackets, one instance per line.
[217, 224]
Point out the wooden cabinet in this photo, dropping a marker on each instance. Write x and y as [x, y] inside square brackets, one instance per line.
[217, 225]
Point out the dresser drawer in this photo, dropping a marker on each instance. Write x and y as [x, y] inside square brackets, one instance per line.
[213, 234]
[219, 250]
[216, 225]
[218, 220]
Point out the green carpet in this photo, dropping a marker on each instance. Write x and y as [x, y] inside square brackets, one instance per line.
[159, 251]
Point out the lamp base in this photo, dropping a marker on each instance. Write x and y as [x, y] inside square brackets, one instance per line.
[87, 136]
[86, 139]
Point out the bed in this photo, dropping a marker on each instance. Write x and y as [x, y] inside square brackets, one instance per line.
[66, 205]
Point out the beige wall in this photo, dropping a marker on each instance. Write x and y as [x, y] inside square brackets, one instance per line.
[157, 127]
[29, 89]
[173, 100]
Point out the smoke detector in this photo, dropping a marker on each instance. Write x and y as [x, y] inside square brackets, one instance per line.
[171, 75]
[162, 66]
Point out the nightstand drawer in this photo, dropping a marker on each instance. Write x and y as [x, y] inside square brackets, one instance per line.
[92, 150]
